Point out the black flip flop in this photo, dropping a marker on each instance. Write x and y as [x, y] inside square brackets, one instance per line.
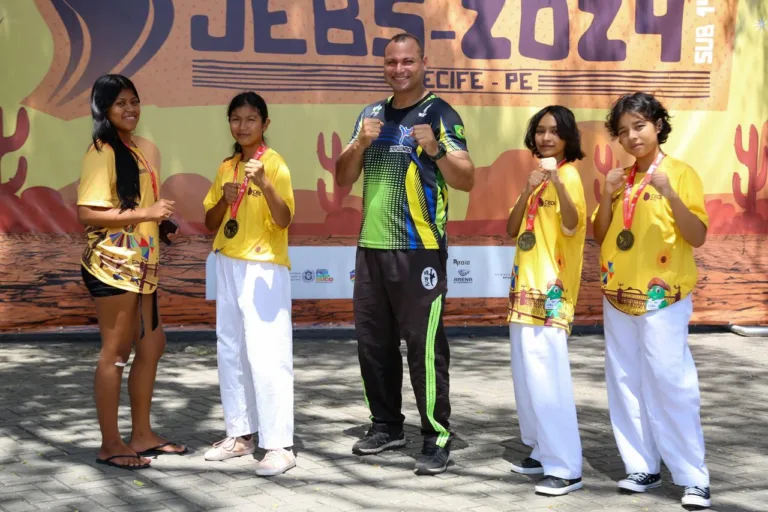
[152, 452]
[108, 462]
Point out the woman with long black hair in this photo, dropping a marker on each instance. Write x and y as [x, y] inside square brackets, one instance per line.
[118, 202]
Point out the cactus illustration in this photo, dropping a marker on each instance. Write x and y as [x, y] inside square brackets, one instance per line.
[329, 164]
[755, 158]
[11, 143]
[603, 166]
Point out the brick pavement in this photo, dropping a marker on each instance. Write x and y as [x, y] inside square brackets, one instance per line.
[49, 435]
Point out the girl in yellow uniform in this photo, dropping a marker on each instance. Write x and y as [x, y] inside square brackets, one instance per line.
[250, 205]
[549, 221]
[650, 217]
[117, 201]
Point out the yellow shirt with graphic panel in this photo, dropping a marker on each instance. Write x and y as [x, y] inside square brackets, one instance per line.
[545, 280]
[659, 269]
[127, 257]
[258, 237]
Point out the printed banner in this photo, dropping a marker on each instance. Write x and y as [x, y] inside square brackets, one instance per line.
[472, 272]
[318, 63]
[481, 52]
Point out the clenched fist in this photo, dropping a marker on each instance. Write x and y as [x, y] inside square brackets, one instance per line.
[425, 137]
[660, 181]
[535, 179]
[614, 180]
[254, 171]
[370, 131]
[230, 192]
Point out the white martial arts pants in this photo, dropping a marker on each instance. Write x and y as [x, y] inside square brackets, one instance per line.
[653, 392]
[546, 410]
[255, 350]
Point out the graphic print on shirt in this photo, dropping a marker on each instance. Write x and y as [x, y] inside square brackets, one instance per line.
[405, 197]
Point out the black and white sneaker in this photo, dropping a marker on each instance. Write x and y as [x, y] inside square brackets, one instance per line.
[377, 440]
[553, 486]
[640, 482]
[433, 459]
[528, 467]
[696, 497]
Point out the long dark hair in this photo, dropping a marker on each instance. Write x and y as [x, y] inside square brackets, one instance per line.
[105, 91]
[567, 130]
[643, 104]
[251, 99]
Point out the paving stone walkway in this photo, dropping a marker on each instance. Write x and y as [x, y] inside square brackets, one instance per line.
[49, 435]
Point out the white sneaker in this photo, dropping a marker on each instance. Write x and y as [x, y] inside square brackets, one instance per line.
[231, 447]
[276, 462]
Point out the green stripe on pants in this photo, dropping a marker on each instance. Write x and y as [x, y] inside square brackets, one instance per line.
[429, 363]
[365, 396]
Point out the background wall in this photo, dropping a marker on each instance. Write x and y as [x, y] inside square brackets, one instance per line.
[318, 63]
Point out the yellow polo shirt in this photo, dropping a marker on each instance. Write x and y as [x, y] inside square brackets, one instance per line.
[127, 257]
[258, 237]
[659, 269]
[545, 280]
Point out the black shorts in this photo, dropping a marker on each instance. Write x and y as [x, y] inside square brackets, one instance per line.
[99, 288]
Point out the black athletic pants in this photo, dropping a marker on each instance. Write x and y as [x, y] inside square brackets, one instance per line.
[402, 294]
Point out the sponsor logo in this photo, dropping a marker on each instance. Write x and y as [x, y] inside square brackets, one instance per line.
[352, 276]
[462, 263]
[323, 276]
[423, 113]
[400, 147]
[463, 277]
[295, 276]
[429, 278]
[375, 110]
[308, 276]
[652, 197]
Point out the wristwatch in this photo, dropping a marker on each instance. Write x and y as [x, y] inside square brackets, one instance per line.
[441, 150]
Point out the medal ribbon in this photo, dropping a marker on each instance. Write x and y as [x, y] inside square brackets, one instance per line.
[629, 201]
[149, 169]
[241, 193]
[534, 206]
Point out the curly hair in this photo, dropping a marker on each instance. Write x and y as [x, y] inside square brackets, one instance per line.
[643, 104]
[567, 130]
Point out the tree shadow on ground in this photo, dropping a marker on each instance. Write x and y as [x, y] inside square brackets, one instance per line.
[49, 436]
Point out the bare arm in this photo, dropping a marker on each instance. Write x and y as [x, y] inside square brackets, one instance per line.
[693, 230]
[603, 218]
[349, 165]
[458, 170]
[281, 214]
[350, 162]
[691, 227]
[614, 181]
[518, 212]
[535, 178]
[117, 218]
[215, 216]
[568, 212]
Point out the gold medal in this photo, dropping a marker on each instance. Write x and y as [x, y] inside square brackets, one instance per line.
[526, 241]
[625, 240]
[230, 228]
